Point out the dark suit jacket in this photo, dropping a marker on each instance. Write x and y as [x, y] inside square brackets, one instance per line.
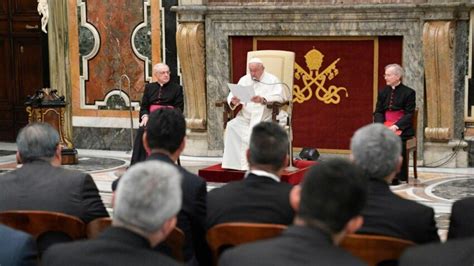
[191, 217]
[388, 214]
[459, 252]
[115, 246]
[40, 186]
[298, 245]
[16, 247]
[256, 199]
[462, 219]
[403, 99]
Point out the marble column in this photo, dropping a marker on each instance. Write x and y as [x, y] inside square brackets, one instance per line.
[439, 45]
[190, 44]
[59, 64]
[191, 53]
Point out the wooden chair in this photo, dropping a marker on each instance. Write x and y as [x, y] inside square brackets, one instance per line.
[37, 223]
[46, 227]
[95, 227]
[225, 235]
[411, 144]
[174, 241]
[375, 249]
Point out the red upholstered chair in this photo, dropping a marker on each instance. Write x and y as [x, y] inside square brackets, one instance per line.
[225, 235]
[374, 249]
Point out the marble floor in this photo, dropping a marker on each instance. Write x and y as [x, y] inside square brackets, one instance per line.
[435, 187]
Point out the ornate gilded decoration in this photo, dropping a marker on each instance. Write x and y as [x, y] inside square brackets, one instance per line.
[190, 44]
[47, 106]
[330, 95]
[438, 52]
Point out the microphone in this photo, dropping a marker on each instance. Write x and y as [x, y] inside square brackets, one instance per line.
[276, 83]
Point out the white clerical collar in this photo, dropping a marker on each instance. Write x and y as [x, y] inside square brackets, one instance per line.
[394, 87]
[263, 173]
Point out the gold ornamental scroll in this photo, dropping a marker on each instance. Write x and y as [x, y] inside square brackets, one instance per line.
[190, 44]
[438, 53]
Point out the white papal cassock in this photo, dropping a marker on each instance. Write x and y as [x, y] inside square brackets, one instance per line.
[237, 133]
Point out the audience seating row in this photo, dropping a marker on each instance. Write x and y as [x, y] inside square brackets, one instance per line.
[38, 223]
[370, 248]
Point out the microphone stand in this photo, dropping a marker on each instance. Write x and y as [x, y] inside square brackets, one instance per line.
[130, 108]
[291, 167]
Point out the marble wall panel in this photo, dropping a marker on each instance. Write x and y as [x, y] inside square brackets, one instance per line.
[321, 2]
[102, 138]
[115, 56]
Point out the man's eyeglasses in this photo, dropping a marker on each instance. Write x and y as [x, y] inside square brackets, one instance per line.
[163, 72]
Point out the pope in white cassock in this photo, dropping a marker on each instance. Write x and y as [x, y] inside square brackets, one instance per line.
[268, 88]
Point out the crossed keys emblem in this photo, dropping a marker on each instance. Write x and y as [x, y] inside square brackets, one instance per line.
[314, 60]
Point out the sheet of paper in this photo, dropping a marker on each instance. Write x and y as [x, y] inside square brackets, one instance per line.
[244, 93]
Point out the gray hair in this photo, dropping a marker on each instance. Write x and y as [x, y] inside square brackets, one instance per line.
[37, 141]
[148, 194]
[376, 149]
[158, 66]
[397, 69]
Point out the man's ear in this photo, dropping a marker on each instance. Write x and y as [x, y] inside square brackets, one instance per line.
[286, 161]
[247, 154]
[182, 145]
[399, 164]
[354, 224]
[295, 196]
[145, 143]
[113, 199]
[161, 234]
[18, 158]
[351, 227]
[57, 156]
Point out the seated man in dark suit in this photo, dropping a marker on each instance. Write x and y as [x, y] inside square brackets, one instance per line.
[328, 206]
[40, 184]
[260, 197]
[164, 140]
[17, 248]
[146, 203]
[459, 252]
[461, 223]
[377, 150]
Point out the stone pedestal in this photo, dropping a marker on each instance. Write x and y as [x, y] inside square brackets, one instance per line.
[451, 154]
[197, 144]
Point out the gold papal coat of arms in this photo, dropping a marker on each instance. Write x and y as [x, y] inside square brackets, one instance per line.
[314, 78]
